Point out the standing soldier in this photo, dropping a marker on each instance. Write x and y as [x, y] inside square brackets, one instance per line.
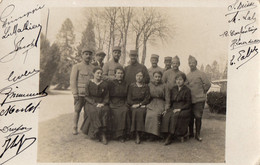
[135, 67]
[199, 86]
[154, 61]
[99, 58]
[80, 74]
[169, 75]
[168, 63]
[109, 67]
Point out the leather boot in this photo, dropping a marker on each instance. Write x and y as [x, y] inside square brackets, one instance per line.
[75, 131]
[104, 139]
[198, 127]
[168, 140]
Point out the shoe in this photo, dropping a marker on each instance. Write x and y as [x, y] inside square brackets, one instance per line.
[168, 140]
[122, 139]
[197, 137]
[137, 140]
[104, 139]
[182, 139]
[75, 131]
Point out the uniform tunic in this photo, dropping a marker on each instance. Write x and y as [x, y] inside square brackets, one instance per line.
[131, 71]
[138, 95]
[80, 74]
[152, 70]
[155, 109]
[97, 118]
[177, 123]
[109, 69]
[120, 115]
[199, 85]
[169, 77]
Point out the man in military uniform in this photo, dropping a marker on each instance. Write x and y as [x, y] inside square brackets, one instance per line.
[169, 75]
[109, 67]
[168, 63]
[154, 61]
[199, 86]
[132, 69]
[80, 74]
[99, 58]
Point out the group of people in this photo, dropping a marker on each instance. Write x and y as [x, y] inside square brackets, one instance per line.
[121, 103]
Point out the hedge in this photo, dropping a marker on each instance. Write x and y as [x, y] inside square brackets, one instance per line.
[217, 102]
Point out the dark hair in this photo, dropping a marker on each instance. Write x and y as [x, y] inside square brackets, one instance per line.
[97, 68]
[119, 68]
[140, 71]
[159, 72]
[182, 75]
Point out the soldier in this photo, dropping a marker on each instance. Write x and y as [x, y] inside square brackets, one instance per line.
[132, 69]
[168, 63]
[199, 86]
[169, 75]
[109, 67]
[99, 58]
[80, 74]
[154, 61]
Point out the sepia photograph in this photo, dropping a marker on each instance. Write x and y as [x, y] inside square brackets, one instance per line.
[133, 85]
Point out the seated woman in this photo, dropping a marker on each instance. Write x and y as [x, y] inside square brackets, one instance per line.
[156, 106]
[120, 117]
[96, 122]
[138, 97]
[177, 110]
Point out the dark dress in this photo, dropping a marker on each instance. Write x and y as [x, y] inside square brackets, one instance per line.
[97, 118]
[120, 117]
[138, 95]
[177, 123]
[155, 108]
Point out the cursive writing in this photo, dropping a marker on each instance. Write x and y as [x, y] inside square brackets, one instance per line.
[14, 130]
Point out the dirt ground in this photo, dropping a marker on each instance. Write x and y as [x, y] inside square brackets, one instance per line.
[57, 144]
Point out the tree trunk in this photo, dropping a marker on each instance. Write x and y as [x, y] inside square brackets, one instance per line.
[144, 51]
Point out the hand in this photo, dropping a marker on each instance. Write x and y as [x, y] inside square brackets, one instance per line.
[76, 97]
[100, 105]
[164, 112]
[135, 105]
[176, 110]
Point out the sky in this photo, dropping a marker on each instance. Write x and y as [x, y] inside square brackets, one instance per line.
[195, 31]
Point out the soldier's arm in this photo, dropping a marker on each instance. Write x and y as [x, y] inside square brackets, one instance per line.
[74, 80]
[206, 82]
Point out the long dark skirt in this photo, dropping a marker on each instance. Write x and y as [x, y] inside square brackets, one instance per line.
[120, 120]
[138, 119]
[96, 120]
[176, 123]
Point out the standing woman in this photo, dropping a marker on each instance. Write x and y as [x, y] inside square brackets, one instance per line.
[177, 110]
[156, 106]
[120, 117]
[95, 124]
[138, 97]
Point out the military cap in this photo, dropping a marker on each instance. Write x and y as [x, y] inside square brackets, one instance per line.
[116, 48]
[191, 58]
[155, 56]
[133, 52]
[176, 58]
[167, 58]
[87, 50]
[100, 53]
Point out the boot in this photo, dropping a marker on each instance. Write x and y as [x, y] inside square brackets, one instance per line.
[198, 127]
[75, 131]
[168, 140]
[137, 140]
[104, 139]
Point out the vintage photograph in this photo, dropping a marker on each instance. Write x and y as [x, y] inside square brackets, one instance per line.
[133, 85]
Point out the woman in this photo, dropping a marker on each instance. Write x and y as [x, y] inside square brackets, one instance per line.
[120, 117]
[177, 110]
[138, 97]
[96, 122]
[156, 106]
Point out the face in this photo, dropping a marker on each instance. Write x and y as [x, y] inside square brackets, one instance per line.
[154, 62]
[179, 81]
[133, 58]
[98, 74]
[100, 58]
[157, 77]
[175, 64]
[119, 74]
[139, 77]
[86, 56]
[168, 64]
[116, 55]
[192, 64]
